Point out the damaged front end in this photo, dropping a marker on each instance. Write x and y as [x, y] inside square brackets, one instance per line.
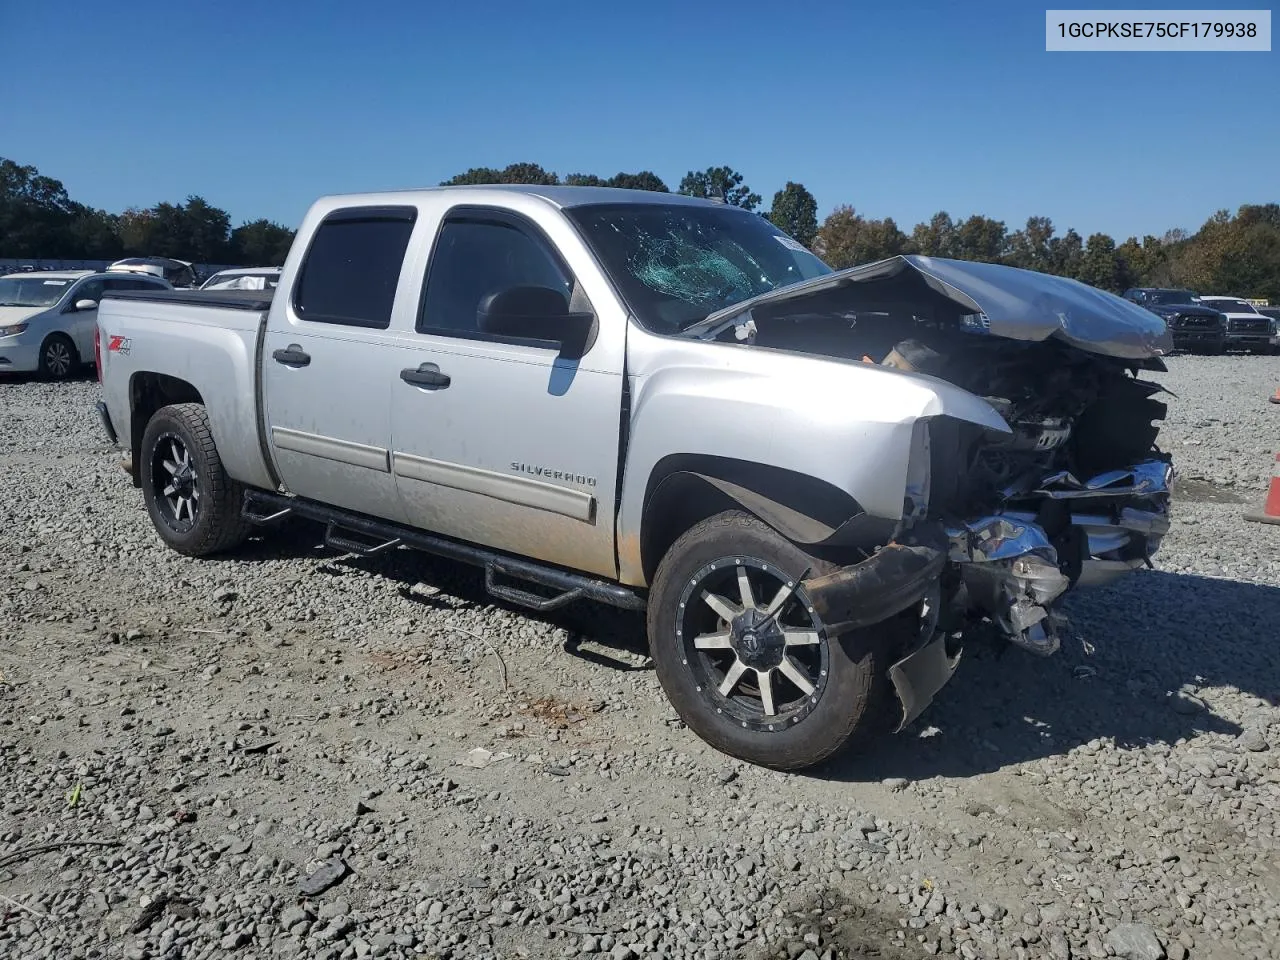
[1076, 494]
[1016, 563]
[1009, 565]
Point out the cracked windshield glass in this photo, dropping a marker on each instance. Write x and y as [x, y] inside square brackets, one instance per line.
[678, 264]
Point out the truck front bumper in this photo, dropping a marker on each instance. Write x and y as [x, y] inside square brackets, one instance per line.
[886, 583]
[1249, 341]
[895, 578]
[1011, 569]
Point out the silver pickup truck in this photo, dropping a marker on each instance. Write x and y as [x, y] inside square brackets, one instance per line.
[814, 482]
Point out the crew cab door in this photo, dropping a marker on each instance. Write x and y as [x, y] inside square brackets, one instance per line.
[329, 361]
[510, 439]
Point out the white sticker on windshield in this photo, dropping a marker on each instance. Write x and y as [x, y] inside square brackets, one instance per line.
[56, 283]
[791, 244]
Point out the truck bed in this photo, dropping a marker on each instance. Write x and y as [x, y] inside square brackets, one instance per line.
[254, 300]
[209, 341]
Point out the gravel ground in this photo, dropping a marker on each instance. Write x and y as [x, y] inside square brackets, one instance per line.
[289, 754]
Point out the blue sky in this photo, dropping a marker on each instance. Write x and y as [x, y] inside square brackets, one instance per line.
[901, 110]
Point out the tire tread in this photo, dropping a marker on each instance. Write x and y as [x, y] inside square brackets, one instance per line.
[223, 496]
[865, 698]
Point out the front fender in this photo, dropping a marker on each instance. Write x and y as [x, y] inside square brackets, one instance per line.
[843, 423]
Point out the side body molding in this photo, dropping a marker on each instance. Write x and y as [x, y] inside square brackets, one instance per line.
[526, 492]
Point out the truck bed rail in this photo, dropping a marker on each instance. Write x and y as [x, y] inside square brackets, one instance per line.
[252, 300]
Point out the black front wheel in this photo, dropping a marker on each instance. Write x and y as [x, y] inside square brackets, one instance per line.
[59, 359]
[194, 505]
[745, 659]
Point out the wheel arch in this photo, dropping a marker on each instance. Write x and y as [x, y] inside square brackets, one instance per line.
[684, 489]
[148, 392]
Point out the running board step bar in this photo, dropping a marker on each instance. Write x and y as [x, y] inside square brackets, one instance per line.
[525, 598]
[357, 533]
[336, 537]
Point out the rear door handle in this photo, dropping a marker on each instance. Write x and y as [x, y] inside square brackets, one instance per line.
[292, 356]
[426, 375]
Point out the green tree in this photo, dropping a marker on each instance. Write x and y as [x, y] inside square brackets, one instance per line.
[937, 238]
[795, 212]
[846, 239]
[644, 180]
[1032, 247]
[1251, 214]
[135, 228]
[722, 182]
[1237, 255]
[529, 173]
[1066, 254]
[513, 173]
[982, 239]
[35, 213]
[1100, 266]
[260, 243]
[584, 180]
[194, 230]
[1141, 264]
[475, 175]
[94, 234]
[208, 231]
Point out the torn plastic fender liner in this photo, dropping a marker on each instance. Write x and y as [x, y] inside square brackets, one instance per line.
[810, 526]
[869, 592]
[919, 676]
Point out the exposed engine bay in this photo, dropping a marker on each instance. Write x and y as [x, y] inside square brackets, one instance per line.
[1076, 495]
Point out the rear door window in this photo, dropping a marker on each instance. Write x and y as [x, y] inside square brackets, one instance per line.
[352, 268]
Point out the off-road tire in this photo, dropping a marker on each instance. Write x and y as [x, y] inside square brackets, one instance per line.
[59, 359]
[217, 525]
[853, 704]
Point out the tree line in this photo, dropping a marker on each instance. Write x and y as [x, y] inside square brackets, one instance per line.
[1232, 253]
[39, 220]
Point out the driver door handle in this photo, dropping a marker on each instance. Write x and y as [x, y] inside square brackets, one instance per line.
[292, 356]
[426, 375]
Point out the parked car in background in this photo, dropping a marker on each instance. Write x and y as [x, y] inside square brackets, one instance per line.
[1247, 329]
[244, 278]
[1273, 314]
[1194, 325]
[661, 402]
[48, 319]
[178, 273]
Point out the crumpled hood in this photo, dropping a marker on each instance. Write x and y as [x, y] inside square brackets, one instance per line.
[986, 298]
[11, 315]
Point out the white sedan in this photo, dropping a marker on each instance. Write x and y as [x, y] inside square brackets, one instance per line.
[47, 319]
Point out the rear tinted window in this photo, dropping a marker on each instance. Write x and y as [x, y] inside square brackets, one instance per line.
[352, 267]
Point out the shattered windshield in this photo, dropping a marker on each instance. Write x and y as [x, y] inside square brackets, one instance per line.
[677, 264]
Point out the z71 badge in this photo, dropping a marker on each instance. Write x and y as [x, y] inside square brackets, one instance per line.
[119, 345]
